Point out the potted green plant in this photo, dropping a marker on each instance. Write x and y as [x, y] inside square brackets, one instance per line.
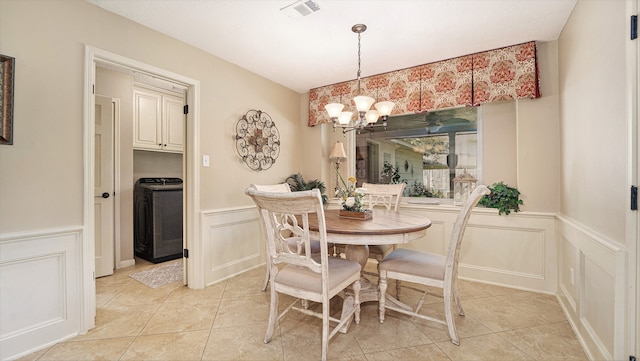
[390, 173]
[297, 184]
[502, 197]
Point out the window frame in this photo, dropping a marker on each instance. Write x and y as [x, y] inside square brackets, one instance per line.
[429, 200]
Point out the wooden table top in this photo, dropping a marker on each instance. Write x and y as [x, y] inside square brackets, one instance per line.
[383, 222]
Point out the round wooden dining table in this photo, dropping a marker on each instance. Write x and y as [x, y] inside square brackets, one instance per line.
[388, 226]
[385, 227]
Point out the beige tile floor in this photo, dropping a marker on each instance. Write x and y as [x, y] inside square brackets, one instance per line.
[227, 321]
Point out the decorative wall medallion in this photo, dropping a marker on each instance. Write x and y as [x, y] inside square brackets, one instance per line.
[257, 140]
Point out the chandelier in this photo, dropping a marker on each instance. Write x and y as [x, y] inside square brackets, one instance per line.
[366, 118]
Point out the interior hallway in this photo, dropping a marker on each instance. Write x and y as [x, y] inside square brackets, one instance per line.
[227, 321]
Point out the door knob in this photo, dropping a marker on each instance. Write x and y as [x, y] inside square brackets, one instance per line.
[105, 195]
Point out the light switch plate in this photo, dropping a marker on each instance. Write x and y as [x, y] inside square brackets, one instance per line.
[205, 160]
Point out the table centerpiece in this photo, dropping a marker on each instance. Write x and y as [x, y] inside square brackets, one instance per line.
[351, 199]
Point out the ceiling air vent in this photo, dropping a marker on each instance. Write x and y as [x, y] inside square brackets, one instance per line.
[301, 8]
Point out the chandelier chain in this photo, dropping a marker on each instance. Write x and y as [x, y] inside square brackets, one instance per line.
[359, 63]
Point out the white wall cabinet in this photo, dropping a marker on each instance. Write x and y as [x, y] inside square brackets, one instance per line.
[159, 121]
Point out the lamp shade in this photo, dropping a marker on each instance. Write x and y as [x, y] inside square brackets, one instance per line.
[345, 117]
[334, 109]
[371, 116]
[385, 108]
[338, 151]
[363, 103]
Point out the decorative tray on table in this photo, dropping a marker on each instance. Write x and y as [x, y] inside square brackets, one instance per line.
[367, 214]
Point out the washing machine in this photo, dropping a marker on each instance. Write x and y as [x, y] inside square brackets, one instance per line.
[158, 219]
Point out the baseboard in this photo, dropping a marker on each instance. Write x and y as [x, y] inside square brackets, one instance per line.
[127, 263]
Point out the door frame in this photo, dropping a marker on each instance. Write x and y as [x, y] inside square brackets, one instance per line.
[191, 200]
[633, 88]
[632, 346]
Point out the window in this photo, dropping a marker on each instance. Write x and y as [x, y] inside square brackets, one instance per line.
[425, 151]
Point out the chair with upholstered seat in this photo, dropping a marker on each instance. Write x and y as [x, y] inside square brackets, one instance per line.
[316, 277]
[413, 266]
[388, 196]
[281, 187]
[380, 195]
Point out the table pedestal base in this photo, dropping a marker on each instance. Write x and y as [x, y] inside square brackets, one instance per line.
[368, 289]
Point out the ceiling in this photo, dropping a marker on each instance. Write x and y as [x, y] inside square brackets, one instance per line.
[320, 49]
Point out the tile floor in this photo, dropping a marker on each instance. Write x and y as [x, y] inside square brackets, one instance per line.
[227, 321]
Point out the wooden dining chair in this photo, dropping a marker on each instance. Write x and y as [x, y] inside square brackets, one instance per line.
[281, 187]
[388, 196]
[408, 265]
[306, 276]
[380, 195]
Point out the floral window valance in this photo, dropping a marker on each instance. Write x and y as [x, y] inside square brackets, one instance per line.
[490, 76]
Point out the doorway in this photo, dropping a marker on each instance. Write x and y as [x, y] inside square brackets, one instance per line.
[193, 274]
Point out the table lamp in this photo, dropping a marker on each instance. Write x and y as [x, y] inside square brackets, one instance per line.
[337, 155]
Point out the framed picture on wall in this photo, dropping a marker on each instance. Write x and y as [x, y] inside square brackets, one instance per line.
[7, 66]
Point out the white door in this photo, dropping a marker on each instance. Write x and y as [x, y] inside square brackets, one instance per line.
[104, 186]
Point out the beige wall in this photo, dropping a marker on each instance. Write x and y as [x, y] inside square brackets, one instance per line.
[597, 262]
[521, 139]
[499, 139]
[156, 165]
[42, 173]
[48, 46]
[316, 144]
[227, 92]
[594, 142]
[538, 138]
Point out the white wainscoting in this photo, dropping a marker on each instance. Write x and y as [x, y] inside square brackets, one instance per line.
[40, 283]
[518, 250]
[232, 241]
[592, 287]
